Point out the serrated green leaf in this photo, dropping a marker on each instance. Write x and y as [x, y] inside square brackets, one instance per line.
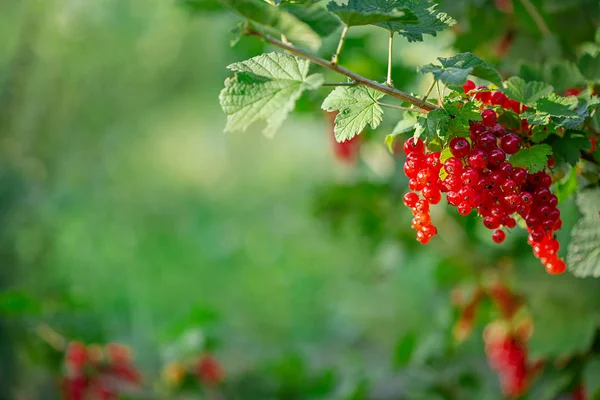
[455, 70]
[540, 133]
[569, 147]
[589, 65]
[562, 75]
[509, 118]
[588, 202]
[406, 124]
[536, 118]
[321, 21]
[265, 88]
[534, 158]
[357, 108]
[583, 255]
[368, 12]
[428, 22]
[526, 92]
[275, 21]
[434, 125]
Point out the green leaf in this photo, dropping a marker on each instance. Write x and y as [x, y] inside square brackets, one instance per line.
[533, 159]
[563, 75]
[567, 186]
[587, 201]
[357, 107]
[318, 18]
[265, 87]
[589, 66]
[569, 147]
[563, 111]
[455, 70]
[361, 12]
[429, 20]
[434, 125]
[405, 349]
[583, 255]
[526, 92]
[591, 372]
[406, 124]
[276, 21]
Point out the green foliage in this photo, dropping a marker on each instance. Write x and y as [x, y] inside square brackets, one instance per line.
[434, 125]
[568, 148]
[265, 87]
[454, 70]
[359, 12]
[429, 20]
[583, 257]
[534, 158]
[589, 66]
[526, 92]
[357, 108]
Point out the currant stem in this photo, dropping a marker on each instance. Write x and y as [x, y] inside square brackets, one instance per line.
[334, 59]
[428, 92]
[402, 108]
[361, 80]
[353, 83]
[389, 70]
[537, 17]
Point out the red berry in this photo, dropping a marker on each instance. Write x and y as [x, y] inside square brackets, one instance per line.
[411, 199]
[429, 230]
[486, 141]
[464, 209]
[510, 143]
[433, 160]
[468, 86]
[426, 177]
[432, 194]
[453, 166]
[489, 117]
[519, 175]
[515, 106]
[413, 146]
[556, 267]
[498, 98]
[495, 158]
[491, 222]
[498, 236]
[459, 147]
[477, 159]
[470, 177]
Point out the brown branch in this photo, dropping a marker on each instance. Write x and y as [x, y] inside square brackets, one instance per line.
[589, 158]
[390, 91]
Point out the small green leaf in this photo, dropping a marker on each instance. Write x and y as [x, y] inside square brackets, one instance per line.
[429, 21]
[533, 159]
[563, 75]
[589, 66]
[318, 18]
[455, 70]
[567, 186]
[434, 125]
[404, 349]
[359, 12]
[588, 201]
[265, 87]
[569, 147]
[563, 111]
[526, 92]
[276, 21]
[357, 108]
[583, 255]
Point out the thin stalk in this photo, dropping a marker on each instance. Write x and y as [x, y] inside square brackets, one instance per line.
[402, 108]
[389, 70]
[537, 17]
[334, 59]
[361, 80]
[428, 92]
[354, 83]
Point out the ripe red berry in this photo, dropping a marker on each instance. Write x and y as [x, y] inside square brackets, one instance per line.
[422, 206]
[491, 222]
[453, 166]
[470, 177]
[459, 147]
[510, 143]
[464, 209]
[429, 230]
[486, 141]
[495, 158]
[478, 159]
[433, 161]
[498, 236]
[489, 117]
[556, 267]
[411, 199]
[432, 194]
[426, 177]
[468, 86]
[413, 146]
[498, 98]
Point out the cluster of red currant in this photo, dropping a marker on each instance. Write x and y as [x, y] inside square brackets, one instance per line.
[206, 369]
[423, 171]
[479, 177]
[507, 355]
[97, 372]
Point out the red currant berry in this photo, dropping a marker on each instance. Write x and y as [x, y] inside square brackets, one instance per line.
[453, 166]
[422, 206]
[413, 146]
[495, 158]
[432, 194]
[515, 106]
[491, 222]
[414, 185]
[426, 177]
[556, 267]
[433, 161]
[470, 177]
[486, 141]
[468, 86]
[526, 198]
[464, 209]
[429, 230]
[510, 143]
[477, 159]
[411, 199]
[489, 117]
[498, 98]
[519, 175]
[509, 222]
[498, 236]
[498, 130]
[459, 147]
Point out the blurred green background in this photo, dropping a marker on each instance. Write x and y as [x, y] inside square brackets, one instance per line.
[127, 215]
